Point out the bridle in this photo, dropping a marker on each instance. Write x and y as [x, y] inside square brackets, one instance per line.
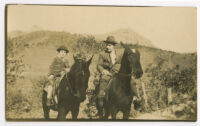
[124, 74]
[69, 82]
[82, 72]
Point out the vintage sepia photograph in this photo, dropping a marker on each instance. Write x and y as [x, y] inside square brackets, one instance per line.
[100, 63]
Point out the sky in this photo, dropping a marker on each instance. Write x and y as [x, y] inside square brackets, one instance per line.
[168, 28]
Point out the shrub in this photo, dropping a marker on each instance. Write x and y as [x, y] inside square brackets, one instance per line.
[163, 76]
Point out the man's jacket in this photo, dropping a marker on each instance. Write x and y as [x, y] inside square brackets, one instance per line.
[104, 61]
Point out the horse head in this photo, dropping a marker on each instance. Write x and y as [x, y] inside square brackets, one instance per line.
[131, 59]
[80, 75]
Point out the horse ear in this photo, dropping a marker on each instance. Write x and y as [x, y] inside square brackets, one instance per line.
[74, 58]
[89, 61]
[123, 45]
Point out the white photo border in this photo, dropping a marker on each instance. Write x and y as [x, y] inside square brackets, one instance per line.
[175, 3]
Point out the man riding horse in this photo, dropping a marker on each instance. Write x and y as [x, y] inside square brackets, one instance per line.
[109, 64]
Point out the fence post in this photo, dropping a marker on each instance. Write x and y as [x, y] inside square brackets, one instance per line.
[144, 92]
[169, 95]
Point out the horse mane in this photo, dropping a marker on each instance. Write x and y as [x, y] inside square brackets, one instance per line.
[66, 80]
[125, 70]
[73, 67]
[124, 61]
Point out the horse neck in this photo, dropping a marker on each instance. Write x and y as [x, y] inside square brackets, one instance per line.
[69, 77]
[70, 74]
[125, 71]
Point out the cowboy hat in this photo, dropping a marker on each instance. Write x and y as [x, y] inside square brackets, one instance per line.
[110, 40]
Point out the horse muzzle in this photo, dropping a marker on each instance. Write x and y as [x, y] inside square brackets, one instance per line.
[80, 97]
[136, 75]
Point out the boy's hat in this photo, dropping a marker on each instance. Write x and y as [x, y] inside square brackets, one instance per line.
[62, 48]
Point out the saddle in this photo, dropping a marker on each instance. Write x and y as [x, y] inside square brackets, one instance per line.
[55, 84]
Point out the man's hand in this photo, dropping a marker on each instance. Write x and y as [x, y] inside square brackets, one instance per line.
[50, 77]
[136, 98]
[105, 72]
[62, 73]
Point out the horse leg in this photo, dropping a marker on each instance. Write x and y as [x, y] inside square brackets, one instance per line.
[99, 104]
[100, 111]
[126, 112]
[75, 111]
[114, 112]
[46, 109]
[107, 112]
[62, 113]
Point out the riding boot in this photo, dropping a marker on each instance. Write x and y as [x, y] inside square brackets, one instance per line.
[49, 95]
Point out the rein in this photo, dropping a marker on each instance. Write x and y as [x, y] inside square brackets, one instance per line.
[123, 74]
[68, 84]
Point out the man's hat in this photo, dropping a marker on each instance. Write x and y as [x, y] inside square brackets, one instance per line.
[110, 40]
[62, 48]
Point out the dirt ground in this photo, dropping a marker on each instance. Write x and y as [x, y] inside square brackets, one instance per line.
[37, 113]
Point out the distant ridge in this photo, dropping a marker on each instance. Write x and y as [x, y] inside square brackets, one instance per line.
[14, 34]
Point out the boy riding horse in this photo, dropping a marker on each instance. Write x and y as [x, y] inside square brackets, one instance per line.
[58, 68]
[109, 64]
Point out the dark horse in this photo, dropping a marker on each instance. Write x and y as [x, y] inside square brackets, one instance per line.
[119, 94]
[71, 90]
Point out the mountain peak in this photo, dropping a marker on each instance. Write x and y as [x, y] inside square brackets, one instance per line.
[127, 35]
[125, 30]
